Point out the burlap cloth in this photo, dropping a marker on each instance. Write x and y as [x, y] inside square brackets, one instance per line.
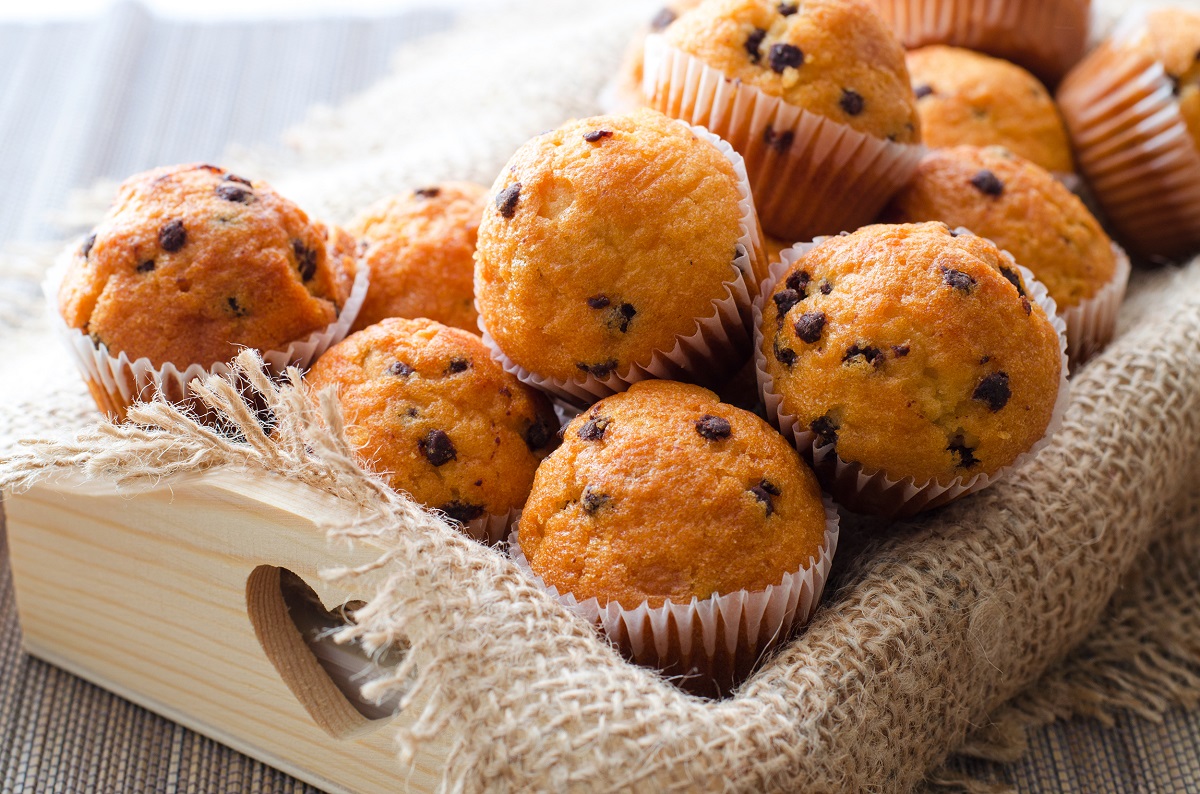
[1070, 588]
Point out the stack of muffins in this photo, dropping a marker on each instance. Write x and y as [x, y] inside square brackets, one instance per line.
[874, 256]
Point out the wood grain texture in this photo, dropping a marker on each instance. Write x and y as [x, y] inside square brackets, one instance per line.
[147, 595]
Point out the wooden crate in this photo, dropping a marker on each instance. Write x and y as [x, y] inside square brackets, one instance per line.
[171, 598]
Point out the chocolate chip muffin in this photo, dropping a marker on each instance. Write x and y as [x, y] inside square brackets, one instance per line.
[420, 247]
[428, 408]
[1018, 206]
[966, 98]
[609, 239]
[663, 492]
[835, 58]
[912, 351]
[193, 262]
[624, 93]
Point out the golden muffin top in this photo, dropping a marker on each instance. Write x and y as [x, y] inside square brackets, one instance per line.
[967, 98]
[835, 58]
[193, 262]
[664, 492]
[1018, 206]
[420, 247]
[604, 240]
[914, 351]
[428, 408]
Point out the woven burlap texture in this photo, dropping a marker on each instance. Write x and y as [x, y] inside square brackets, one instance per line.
[933, 628]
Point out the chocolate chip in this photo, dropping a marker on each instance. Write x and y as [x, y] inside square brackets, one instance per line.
[400, 369]
[787, 9]
[1025, 305]
[236, 178]
[145, 267]
[781, 56]
[871, 355]
[987, 183]
[826, 429]
[900, 350]
[779, 141]
[957, 279]
[770, 487]
[799, 282]
[809, 326]
[597, 135]
[594, 428]
[784, 355]
[458, 365]
[714, 428]
[601, 370]
[764, 496]
[538, 435]
[237, 309]
[462, 512]
[993, 390]
[664, 17]
[306, 259]
[923, 90]
[411, 412]
[172, 236]
[753, 42]
[88, 242]
[786, 300]
[437, 447]
[826, 287]
[506, 200]
[851, 102]
[427, 192]
[624, 315]
[592, 501]
[1013, 278]
[233, 193]
[966, 455]
[598, 301]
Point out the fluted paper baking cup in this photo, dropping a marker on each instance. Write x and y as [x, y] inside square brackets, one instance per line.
[116, 381]
[866, 490]
[709, 645]
[1091, 323]
[491, 529]
[1047, 37]
[1133, 145]
[718, 343]
[810, 175]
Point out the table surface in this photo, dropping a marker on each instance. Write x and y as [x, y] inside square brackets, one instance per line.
[107, 97]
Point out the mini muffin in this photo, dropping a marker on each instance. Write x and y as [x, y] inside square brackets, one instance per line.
[663, 493]
[964, 97]
[1132, 108]
[606, 242]
[909, 351]
[1045, 36]
[815, 95]
[192, 262]
[1027, 212]
[428, 408]
[624, 93]
[420, 247]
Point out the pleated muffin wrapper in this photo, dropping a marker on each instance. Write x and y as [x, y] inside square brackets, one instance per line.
[1092, 322]
[865, 490]
[490, 529]
[1046, 37]
[708, 646]
[719, 342]
[1133, 145]
[116, 381]
[810, 175]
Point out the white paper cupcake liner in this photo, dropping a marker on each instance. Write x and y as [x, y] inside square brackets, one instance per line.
[866, 490]
[1045, 36]
[717, 345]
[1133, 145]
[712, 644]
[825, 178]
[116, 381]
[1091, 323]
[491, 529]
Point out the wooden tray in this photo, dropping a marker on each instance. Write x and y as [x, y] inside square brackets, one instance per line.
[172, 599]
